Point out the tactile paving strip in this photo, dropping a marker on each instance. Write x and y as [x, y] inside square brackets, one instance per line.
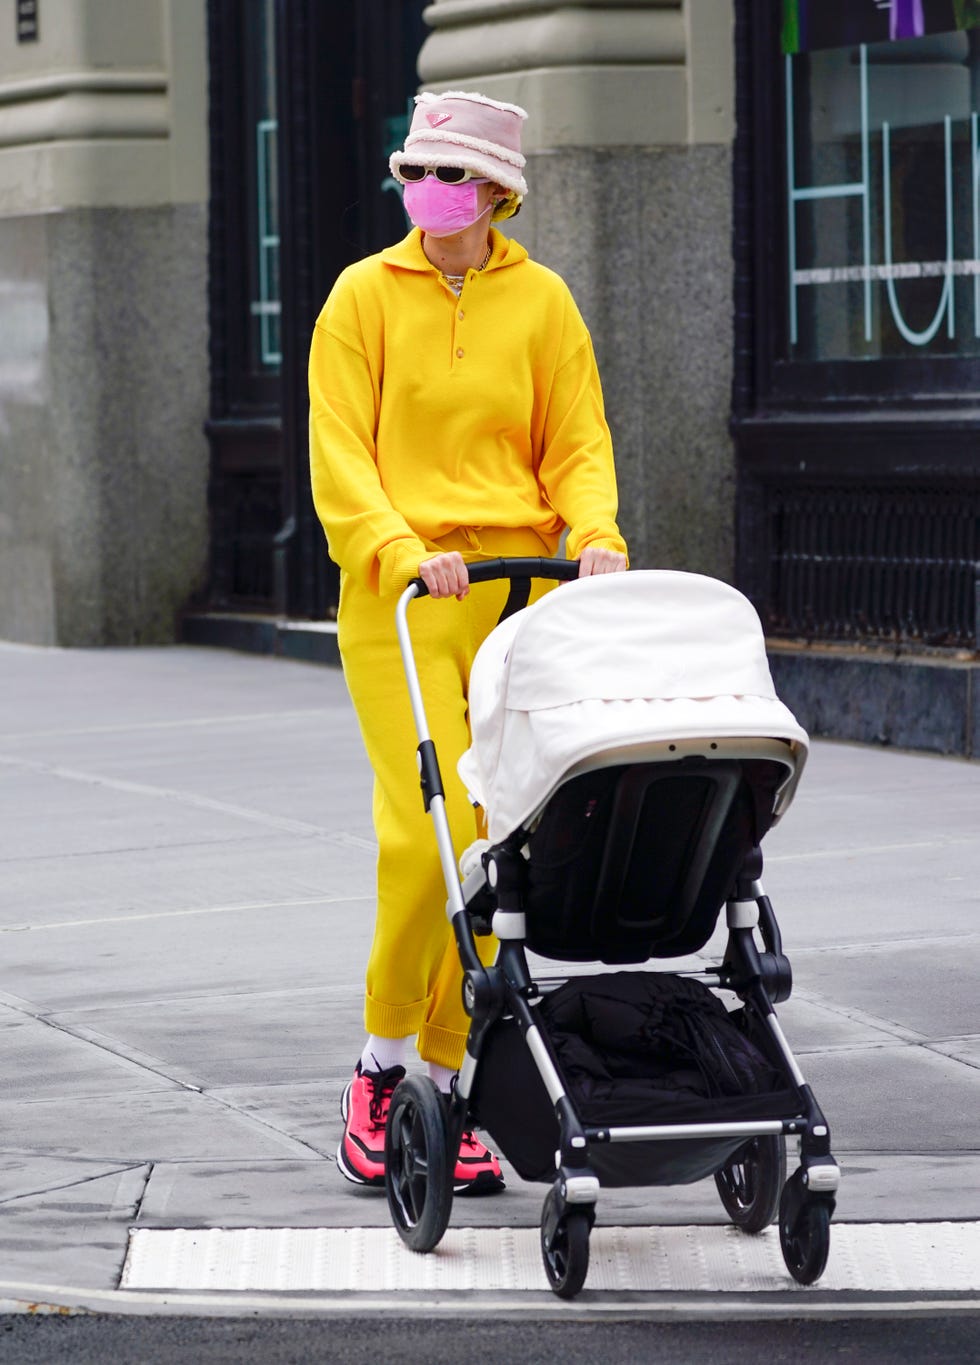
[872, 1257]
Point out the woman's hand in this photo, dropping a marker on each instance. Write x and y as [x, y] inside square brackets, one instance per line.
[592, 560]
[446, 576]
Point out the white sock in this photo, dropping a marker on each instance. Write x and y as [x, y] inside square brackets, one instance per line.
[442, 1076]
[381, 1054]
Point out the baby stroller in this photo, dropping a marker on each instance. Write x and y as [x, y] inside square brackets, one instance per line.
[630, 754]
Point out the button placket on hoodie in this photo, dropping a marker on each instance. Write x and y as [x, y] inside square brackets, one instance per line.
[457, 346]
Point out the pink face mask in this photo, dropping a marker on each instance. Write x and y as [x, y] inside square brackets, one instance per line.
[442, 210]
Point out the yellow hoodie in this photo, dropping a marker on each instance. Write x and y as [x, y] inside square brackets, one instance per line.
[430, 413]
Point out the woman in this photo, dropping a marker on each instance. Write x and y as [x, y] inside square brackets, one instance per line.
[455, 415]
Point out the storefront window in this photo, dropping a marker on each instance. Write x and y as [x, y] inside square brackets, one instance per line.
[882, 178]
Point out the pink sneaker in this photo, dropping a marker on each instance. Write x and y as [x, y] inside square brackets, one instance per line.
[364, 1109]
[477, 1169]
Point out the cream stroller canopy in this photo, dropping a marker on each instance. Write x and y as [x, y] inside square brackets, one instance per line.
[610, 663]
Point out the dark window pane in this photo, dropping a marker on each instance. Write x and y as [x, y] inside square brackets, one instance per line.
[882, 214]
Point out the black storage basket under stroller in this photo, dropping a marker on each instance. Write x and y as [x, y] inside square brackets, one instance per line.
[635, 1048]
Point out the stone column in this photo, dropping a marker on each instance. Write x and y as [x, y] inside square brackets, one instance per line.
[629, 166]
[103, 344]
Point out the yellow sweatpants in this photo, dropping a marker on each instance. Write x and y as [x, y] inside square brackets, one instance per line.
[414, 976]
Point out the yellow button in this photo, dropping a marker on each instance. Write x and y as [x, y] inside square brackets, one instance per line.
[459, 353]
[461, 315]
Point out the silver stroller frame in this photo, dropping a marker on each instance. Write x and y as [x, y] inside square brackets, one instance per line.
[423, 1134]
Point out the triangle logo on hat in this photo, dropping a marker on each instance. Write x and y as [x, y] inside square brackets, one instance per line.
[437, 120]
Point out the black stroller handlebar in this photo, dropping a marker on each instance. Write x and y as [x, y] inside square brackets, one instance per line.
[485, 571]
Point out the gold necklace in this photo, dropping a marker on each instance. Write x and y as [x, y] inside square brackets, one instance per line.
[482, 266]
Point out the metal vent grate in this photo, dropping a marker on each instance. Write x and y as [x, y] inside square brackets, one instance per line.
[876, 564]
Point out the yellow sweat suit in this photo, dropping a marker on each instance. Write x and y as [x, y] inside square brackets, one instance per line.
[441, 423]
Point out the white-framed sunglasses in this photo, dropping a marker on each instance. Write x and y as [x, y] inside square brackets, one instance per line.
[410, 174]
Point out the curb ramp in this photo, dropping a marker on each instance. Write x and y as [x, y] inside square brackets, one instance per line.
[670, 1272]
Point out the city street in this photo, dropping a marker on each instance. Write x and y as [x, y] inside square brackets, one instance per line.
[186, 869]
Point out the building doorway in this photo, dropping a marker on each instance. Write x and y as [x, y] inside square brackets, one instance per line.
[307, 97]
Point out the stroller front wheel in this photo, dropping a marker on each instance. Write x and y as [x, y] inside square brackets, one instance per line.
[417, 1164]
[752, 1182]
[804, 1237]
[565, 1247]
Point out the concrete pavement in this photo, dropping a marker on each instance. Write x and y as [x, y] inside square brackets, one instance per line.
[186, 870]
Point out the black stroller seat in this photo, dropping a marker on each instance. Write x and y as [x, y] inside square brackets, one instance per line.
[635, 861]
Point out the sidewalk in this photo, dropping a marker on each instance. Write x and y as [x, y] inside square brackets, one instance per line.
[186, 872]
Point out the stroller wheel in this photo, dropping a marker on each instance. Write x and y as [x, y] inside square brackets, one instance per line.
[751, 1183]
[418, 1169]
[565, 1247]
[805, 1237]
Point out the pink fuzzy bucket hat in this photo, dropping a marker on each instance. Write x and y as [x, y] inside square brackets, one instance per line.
[467, 130]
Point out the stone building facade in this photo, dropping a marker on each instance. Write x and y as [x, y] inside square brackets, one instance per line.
[105, 529]
[103, 301]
